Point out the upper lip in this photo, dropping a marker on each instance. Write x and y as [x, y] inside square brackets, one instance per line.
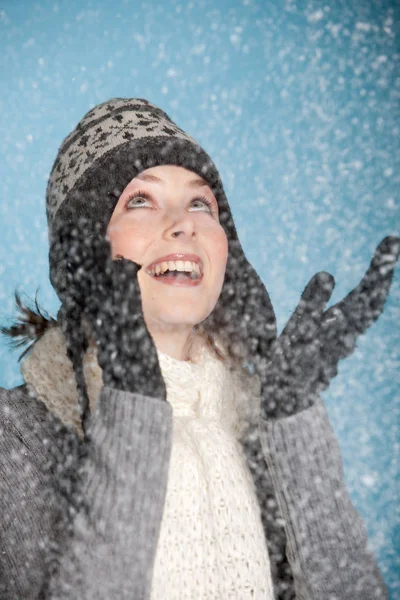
[177, 256]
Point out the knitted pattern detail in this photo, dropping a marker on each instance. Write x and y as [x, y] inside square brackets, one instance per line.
[212, 543]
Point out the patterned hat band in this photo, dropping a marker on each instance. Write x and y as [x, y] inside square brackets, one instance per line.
[106, 127]
[112, 144]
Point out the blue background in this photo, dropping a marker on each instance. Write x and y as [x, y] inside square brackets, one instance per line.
[298, 105]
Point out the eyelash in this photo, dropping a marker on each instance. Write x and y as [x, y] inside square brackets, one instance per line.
[146, 195]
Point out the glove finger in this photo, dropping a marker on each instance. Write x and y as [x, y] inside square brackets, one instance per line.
[125, 270]
[123, 273]
[126, 346]
[363, 305]
[121, 302]
[312, 303]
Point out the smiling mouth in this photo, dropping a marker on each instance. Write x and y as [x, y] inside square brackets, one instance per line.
[184, 268]
[178, 278]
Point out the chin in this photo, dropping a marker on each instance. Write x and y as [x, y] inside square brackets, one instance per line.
[179, 307]
[183, 318]
[182, 313]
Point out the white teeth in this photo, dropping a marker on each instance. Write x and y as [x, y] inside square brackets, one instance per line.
[178, 265]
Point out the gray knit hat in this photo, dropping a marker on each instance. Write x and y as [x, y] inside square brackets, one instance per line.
[112, 144]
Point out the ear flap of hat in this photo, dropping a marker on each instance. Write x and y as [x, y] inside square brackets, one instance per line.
[243, 316]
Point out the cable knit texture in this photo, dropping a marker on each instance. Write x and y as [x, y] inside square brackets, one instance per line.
[211, 536]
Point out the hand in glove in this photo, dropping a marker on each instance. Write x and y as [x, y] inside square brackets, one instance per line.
[304, 358]
[107, 293]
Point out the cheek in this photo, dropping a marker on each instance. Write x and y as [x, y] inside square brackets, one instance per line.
[127, 239]
[219, 252]
[222, 243]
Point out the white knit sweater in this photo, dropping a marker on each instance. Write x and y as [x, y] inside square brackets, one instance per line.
[212, 545]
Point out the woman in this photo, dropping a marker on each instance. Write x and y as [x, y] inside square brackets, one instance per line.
[193, 457]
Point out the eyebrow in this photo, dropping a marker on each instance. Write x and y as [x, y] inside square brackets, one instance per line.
[195, 183]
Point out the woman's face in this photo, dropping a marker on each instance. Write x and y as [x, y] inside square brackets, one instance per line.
[171, 216]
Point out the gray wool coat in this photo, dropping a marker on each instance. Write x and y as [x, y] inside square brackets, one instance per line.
[82, 520]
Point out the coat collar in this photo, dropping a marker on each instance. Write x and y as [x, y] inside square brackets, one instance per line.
[204, 388]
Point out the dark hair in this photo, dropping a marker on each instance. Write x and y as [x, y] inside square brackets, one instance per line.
[29, 326]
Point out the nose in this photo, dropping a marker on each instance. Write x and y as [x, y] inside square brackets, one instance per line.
[181, 225]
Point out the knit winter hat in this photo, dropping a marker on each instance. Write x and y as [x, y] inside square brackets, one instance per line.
[112, 144]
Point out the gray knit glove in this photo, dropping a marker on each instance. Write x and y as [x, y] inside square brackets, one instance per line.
[106, 292]
[304, 359]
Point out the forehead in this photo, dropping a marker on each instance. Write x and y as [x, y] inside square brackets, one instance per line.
[163, 174]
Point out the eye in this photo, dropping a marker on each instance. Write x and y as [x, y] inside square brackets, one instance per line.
[138, 199]
[206, 201]
[133, 199]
